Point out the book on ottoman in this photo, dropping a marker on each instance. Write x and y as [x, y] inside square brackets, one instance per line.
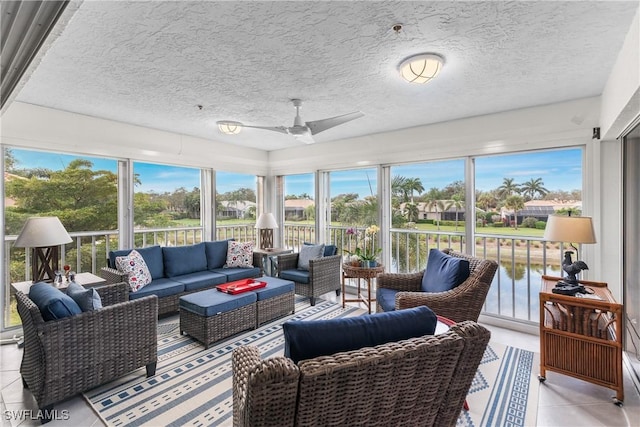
[240, 286]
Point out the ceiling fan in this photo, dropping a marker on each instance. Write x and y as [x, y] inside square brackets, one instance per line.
[303, 131]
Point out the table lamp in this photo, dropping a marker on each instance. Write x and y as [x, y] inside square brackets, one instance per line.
[43, 235]
[570, 229]
[265, 224]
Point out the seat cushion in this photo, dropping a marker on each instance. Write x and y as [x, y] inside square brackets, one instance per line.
[307, 253]
[87, 299]
[274, 288]
[299, 276]
[211, 302]
[181, 260]
[386, 298]
[216, 253]
[200, 280]
[160, 287]
[237, 273]
[135, 267]
[444, 272]
[52, 302]
[309, 339]
[152, 257]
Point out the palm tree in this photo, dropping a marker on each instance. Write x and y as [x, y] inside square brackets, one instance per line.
[413, 184]
[516, 203]
[398, 187]
[412, 212]
[457, 203]
[436, 204]
[532, 188]
[508, 187]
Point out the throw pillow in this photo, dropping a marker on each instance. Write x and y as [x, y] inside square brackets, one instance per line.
[239, 254]
[308, 339]
[135, 268]
[87, 299]
[52, 302]
[329, 250]
[444, 272]
[307, 253]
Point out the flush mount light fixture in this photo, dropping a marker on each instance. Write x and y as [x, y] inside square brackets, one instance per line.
[230, 128]
[421, 68]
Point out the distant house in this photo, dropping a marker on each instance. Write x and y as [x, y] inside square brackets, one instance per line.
[540, 209]
[295, 209]
[426, 211]
[235, 209]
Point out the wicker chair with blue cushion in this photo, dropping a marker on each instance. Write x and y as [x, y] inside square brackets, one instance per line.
[454, 285]
[321, 276]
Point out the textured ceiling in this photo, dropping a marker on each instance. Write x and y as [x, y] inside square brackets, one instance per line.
[152, 63]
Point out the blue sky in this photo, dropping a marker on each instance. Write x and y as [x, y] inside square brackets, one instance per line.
[559, 170]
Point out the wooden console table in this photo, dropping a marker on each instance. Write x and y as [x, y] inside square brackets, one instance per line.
[366, 273]
[581, 336]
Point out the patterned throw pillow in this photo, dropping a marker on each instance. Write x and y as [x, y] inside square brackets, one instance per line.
[134, 266]
[239, 254]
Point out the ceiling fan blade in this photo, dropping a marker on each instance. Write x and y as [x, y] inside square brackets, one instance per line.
[318, 126]
[305, 137]
[280, 129]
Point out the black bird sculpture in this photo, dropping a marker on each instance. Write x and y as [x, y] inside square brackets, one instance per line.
[572, 268]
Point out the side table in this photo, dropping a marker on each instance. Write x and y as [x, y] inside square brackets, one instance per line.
[268, 265]
[366, 273]
[581, 336]
[85, 279]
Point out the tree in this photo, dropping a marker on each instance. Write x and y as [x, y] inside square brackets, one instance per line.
[456, 188]
[515, 203]
[412, 185]
[533, 187]
[508, 188]
[412, 212]
[457, 203]
[487, 200]
[437, 205]
[399, 188]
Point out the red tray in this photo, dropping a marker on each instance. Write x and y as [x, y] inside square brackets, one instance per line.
[240, 286]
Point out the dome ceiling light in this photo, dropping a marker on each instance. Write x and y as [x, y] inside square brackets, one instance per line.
[421, 68]
[229, 128]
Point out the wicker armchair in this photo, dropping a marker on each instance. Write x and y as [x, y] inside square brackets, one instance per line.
[65, 357]
[323, 277]
[463, 302]
[416, 382]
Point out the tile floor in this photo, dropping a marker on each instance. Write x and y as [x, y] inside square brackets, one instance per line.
[563, 401]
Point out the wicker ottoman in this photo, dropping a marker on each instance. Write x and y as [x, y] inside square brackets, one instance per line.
[210, 315]
[275, 300]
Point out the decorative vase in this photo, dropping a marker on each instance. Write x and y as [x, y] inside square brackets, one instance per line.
[368, 263]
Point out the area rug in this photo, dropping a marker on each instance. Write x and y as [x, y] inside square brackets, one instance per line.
[192, 386]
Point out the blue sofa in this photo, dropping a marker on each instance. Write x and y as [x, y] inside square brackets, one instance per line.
[180, 270]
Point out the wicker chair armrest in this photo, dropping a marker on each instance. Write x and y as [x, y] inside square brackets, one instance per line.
[325, 265]
[263, 389]
[78, 342]
[410, 282]
[111, 275]
[288, 262]
[113, 293]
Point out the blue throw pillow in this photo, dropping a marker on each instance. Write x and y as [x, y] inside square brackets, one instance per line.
[181, 260]
[216, 253]
[308, 339]
[52, 302]
[444, 272]
[87, 299]
[328, 249]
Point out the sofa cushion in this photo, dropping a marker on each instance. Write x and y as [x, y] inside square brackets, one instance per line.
[307, 253]
[309, 339]
[274, 288]
[52, 302]
[181, 260]
[239, 254]
[386, 298]
[444, 272]
[236, 273]
[212, 302]
[87, 299]
[200, 279]
[152, 256]
[328, 249]
[161, 287]
[216, 253]
[134, 266]
[300, 276]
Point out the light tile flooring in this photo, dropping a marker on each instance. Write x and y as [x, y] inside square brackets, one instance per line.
[563, 401]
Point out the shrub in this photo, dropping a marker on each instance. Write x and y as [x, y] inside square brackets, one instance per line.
[541, 225]
[497, 224]
[529, 222]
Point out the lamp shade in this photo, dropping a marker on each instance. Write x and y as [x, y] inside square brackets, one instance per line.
[571, 229]
[43, 231]
[266, 220]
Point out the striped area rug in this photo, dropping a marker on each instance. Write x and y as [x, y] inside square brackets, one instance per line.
[192, 386]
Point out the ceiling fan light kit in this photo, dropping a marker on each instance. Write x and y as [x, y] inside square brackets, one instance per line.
[229, 128]
[421, 68]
